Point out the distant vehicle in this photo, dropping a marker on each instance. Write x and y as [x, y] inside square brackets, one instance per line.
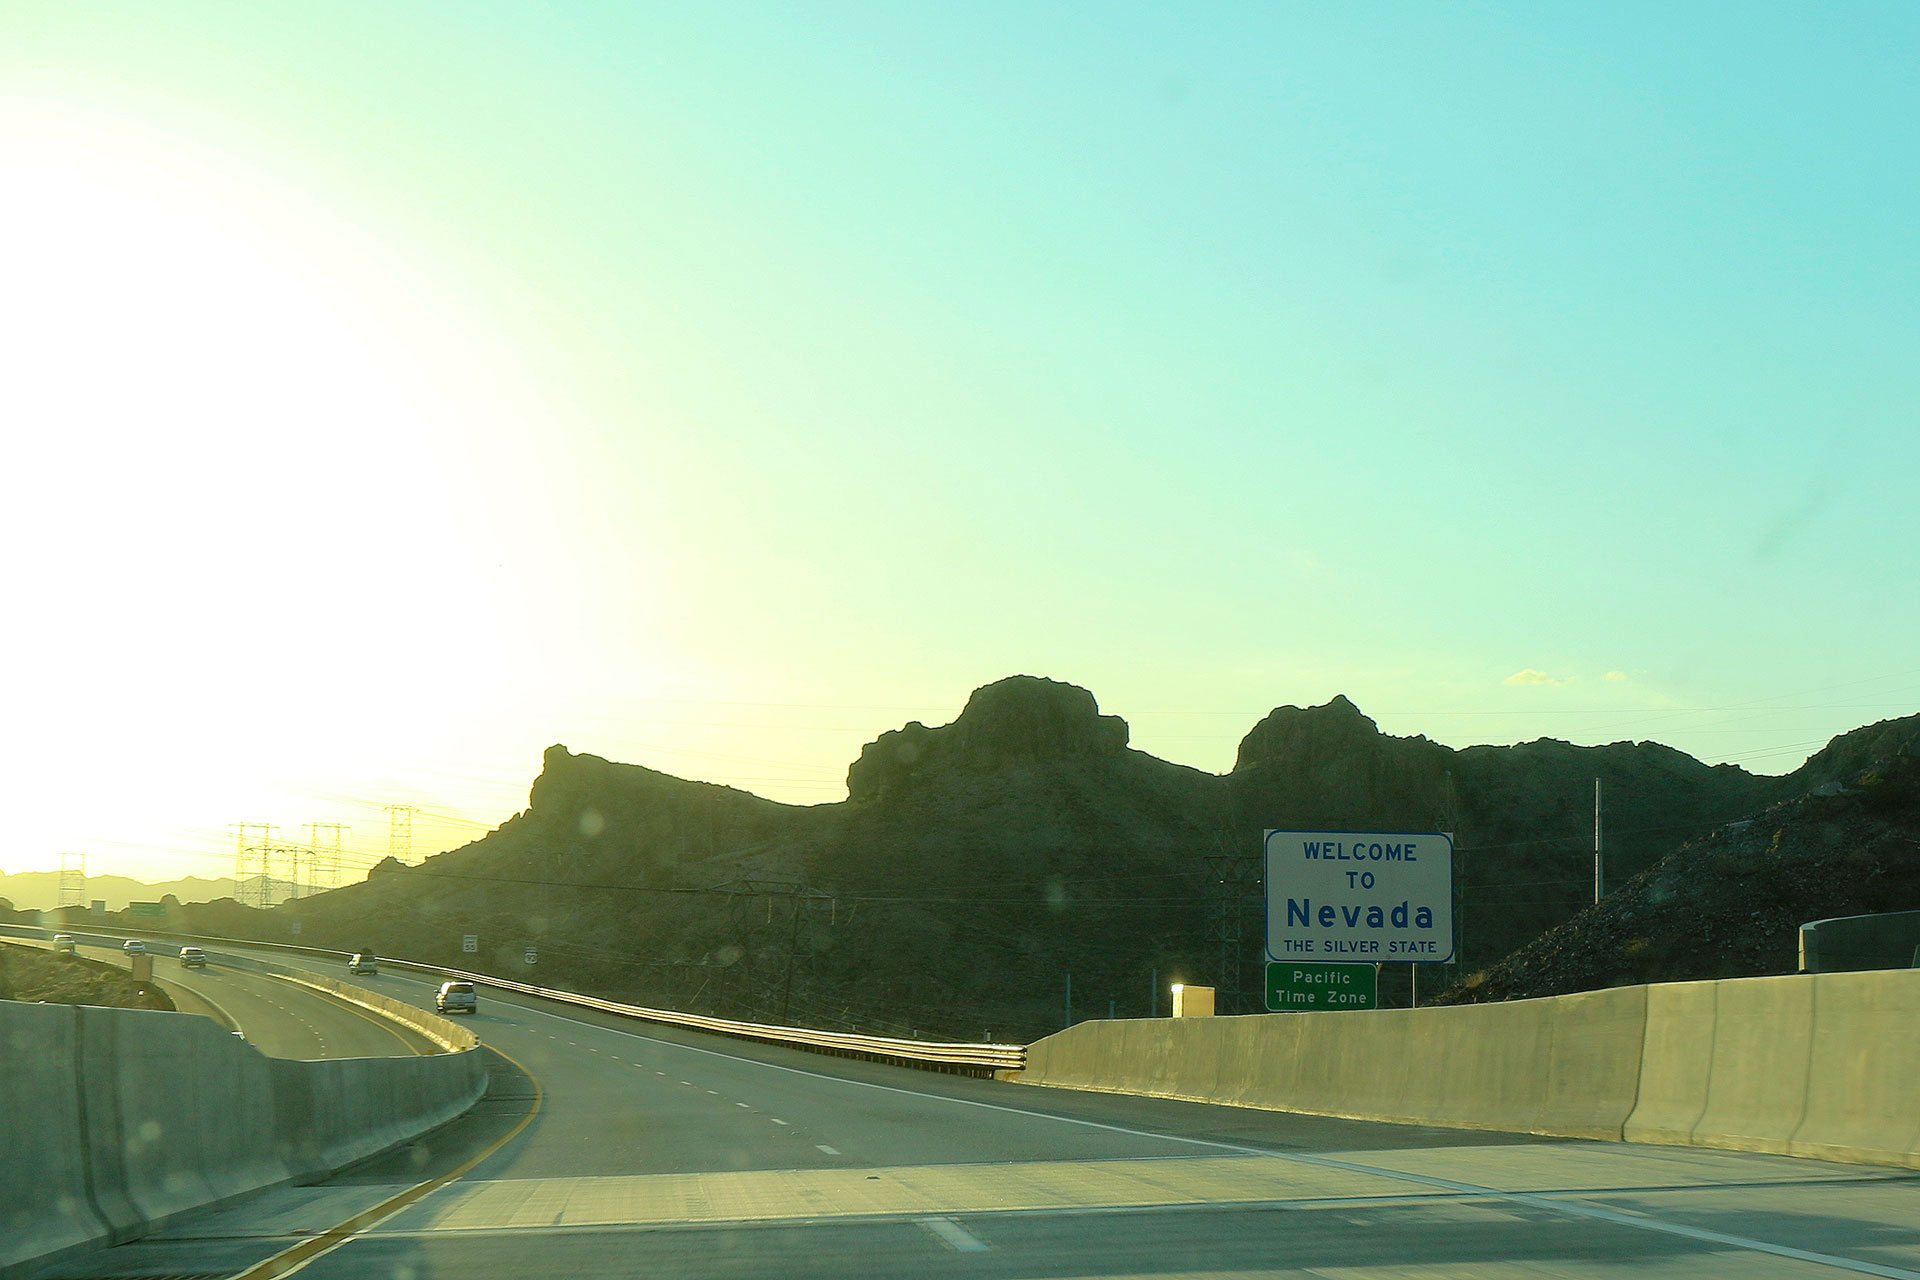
[192, 958]
[63, 943]
[134, 947]
[457, 997]
[363, 962]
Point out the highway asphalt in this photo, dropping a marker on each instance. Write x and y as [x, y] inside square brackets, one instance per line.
[280, 1019]
[658, 1152]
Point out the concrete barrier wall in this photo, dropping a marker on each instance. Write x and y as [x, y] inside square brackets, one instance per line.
[1821, 1065]
[117, 1120]
[1845, 944]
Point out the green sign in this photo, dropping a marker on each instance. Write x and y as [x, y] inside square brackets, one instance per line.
[146, 909]
[1295, 987]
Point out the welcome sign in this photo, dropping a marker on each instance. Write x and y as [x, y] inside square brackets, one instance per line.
[1360, 896]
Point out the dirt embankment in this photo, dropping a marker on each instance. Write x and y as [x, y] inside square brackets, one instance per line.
[30, 975]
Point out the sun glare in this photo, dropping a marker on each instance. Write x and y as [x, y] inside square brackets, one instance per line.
[233, 440]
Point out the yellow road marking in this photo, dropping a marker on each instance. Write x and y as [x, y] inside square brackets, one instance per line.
[290, 1260]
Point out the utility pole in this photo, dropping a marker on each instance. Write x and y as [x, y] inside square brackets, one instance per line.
[1599, 856]
[400, 832]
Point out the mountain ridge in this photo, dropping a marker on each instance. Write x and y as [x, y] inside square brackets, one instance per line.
[978, 869]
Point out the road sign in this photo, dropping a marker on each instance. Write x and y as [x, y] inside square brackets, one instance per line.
[1295, 986]
[470, 943]
[296, 928]
[532, 955]
[1360, 896]
[146, 909]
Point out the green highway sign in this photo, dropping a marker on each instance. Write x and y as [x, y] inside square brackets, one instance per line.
[1294, 987]
[146, 909]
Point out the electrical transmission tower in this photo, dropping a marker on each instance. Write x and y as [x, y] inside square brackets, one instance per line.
[323, 859]
[1231, 878]
[776, 992]
[73, 879]
[400, 832]
[253, 864]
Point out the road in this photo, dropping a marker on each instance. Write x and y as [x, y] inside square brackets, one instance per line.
[281, 1019]
[661, 1153]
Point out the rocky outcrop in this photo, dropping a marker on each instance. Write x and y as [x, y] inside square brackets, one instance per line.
[1019, 720]
[1729, 904]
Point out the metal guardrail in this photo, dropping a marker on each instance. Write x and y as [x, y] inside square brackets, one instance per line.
[971, 1059]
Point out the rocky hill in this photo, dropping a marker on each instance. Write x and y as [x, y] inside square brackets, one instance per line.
[1729, 904]
[980, 868]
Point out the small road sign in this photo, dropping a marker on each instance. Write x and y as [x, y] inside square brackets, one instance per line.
[1295, 986]
[532, 955]
[470, 943]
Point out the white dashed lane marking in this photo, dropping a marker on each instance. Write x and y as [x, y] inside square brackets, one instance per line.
[821, 1146]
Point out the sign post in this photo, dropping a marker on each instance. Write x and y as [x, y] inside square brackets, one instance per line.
[1346, 899]
[469, 942]
[532, 955]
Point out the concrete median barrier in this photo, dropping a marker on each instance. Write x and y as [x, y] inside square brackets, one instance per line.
[1757, 1082]
[1676, 1063]
[1811, 1065]
[46, 1200]
[1863, 1107]
[119, 1120]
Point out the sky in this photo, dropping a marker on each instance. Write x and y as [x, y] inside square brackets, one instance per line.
[391, 391]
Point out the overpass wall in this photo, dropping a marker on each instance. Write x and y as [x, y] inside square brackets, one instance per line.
[1824, 1065]
[119, 1119]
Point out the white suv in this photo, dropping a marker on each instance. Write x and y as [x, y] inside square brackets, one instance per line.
[457, 997]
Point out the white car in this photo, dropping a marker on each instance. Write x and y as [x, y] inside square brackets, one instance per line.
[134, 947]
[457, 997]
[63, 943]
[192, 958]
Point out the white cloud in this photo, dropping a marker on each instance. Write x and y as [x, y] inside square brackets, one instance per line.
[1617, 677]
[1533, 675]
